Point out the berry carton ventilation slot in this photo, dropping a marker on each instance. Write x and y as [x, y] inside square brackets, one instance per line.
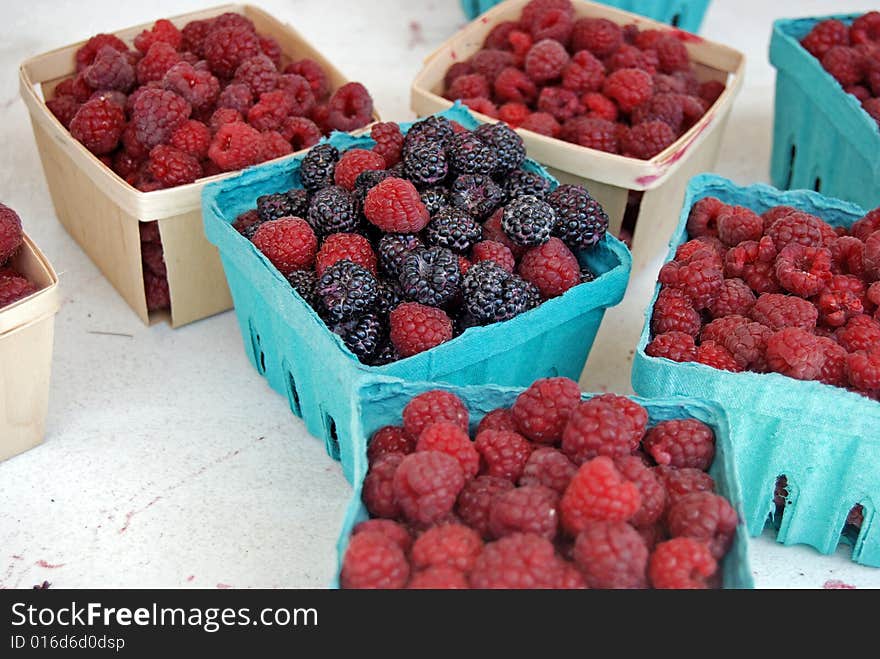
[102, 212]
[610, 178]
[825, 440]
[684, 14]
[822, 138]
[382, 403]
[290, 345]
[26, 336]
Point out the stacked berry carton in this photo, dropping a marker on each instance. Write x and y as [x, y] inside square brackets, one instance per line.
[684, 14]
[610, 178]
[103, 213]
[822, 138]
[290, 345]
[823, 439]
[27, 330]
[382, 401]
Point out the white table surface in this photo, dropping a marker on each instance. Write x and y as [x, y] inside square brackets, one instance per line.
[168, 462]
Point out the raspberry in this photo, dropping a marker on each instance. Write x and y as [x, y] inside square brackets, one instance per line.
[438, 578]
[681, 443]
[646, 140]
[737, 224]
[98, 124]
[156, 114]
[378, 493]
[660, 107]
[611, 555]
[390, 529]
[597, 106]
[372, 560]
[171, 166]
[681, 482]
[801, 228]
[449, 438]
[553, 24]
[236, 96]
[511, 84]
[526, 509]
[652, 492]
[561, 103]
[845, 64]
[352, 163]
[351, 107]
[314, 73]
[591, 133]
[520, 560]
[629, 88]
[226, 47]
[551, 267]
[10, 232]
[735, 297]
[703, 218]
[598, 427]
[671, 54]
[795, 352]
[489, 63]
[503, 453]
[541, 123]
[677, 346]
[706, 517]
[770, 216]
[389, 142]
[701, 280]
[717, 356]
[471, 85]
[289, 243]
[863, 369]
[542, 411]
[434, 406]
[489, 250]
[598, 35]
[860, 333]
[681, 563]
[704, 247]
[163, 31]
[833, 370]
[753, 263]
[14, 288]
[426, 485]
[476, 500]
[546, 60]
[635, 413]
[155, 64]
[513, 114]
[270, 111]
[345, 246]
[871, 257]
[779, 311]
[448, 545]
[301, 132]
[235, 146]
[258, 73]
[223, 116]
[674, 312]
[534, 10]
[548, 467]
[87, 53]
[866, 29]
[416, 328]
[298, 92]
[629, 57]
[802, 270]
[110, 70]
[192, 137]
[584, 73]
[841, 300]
[394, 205]
[824, 36]
[866, 225]
[199, 88]
[597, 492]
[389, 439]
[64, 108]
[748, 345]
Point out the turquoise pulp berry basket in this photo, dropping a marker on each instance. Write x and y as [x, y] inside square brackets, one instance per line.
[824, 439]
[822, 138]
[383, 403]
[304, 361]
[685, 14]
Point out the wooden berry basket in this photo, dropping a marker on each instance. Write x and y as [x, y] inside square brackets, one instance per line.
[102, 212]
[609, 177]
[26, 335]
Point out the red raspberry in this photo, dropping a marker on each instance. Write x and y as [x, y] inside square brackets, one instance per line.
[860, 333]
[236, 96]
[156, 114]
[490, 63]
[561, 103]
[553, 24]
[681, 482]
[156, 63]
[629, 88]
[314, 73]
[701, 280]
[735, 297]
[801, 228]
[468, 86]
[492, 230]
[289, 243]
[192, 137]
[824, 36]
[597, 493]
[171, 166]
[674, 312]
[270, 111]
[449, 438]
[802, 270]
[847, 256]
[258, 73]
[447, 545]
[873, 294]
[703, 218]
[226, 47]
[597, 106]
[677, 346]
[551, 267]
[598, 35]
[592, 134]
[629, 57]
[299, 94]
[737, 224]
[779, 311]
[710, 91]
[514, 85]
[646, 140]
[390, 529]
[845, 64]
[10, 233]
[157, 292]
[416, 328]
[163, 31]
[497, 37]
[435, 406]
[88, 51]
[866, 29]
[438, 578]
[521, 560]
[535, 9]
[426, 485]
[64, 108]
[770, 216]
[753, 262]
[500, 419]
[671, 54]
[598, 427]
[110, 70]
[542, 411]
[866, 225]
[548, 467]
[611, 555]
[748, 345]
[546, 60]
[302, 132]
[223, 116]
[271, 49]
[352, 163]
[541, 123]
[842, 299]
[681, 563]
[834, 365]
[389, 439]
[661, 107]
[704, 247]
[154, 258]
[871, 257]
[373, 561]
[526, 509]
[351, 246]
[513, 114]
[235, 146]
[193, 36]
[378, 491]
[489, 250]
[98, 124]
[637, 415]
[395, 206]
[795, 352]
[667, 84]
[481, 105]
[681, 443]
[584, 73]
[476, 499]
[14, 288]
[863, 369]
[651, 490]
[706, 517]
[350, 107]
[79, 88]
[717, 356]
[503, 453]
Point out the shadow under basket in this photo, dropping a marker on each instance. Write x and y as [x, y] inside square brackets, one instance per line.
[102, 212]
[304, 361]
[825, 440]
[27, 330]
[383, 404]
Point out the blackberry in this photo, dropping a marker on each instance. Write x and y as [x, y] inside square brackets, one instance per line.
[528, 221]
[251, 229]
[386, 354]
[347, 291]
[333, 211]
[492, 295]
[464, 321]
[299, 200]
[520, 183]
[430, 276]
[509, 147]
[581, 221]
[532, 292]
[389, 297]
[432, 129]
[361, 335]
[367, 180]
[454, 229]
[477, 194]
[304, 282]
[274, 206]
[425, 163]
[435, 199]
[392, 249]
[469, 155]
[317, 168]
[587, 274]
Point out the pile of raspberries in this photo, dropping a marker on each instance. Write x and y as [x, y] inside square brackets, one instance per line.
[187, 103]
[401, 247]
[587, 81]
[852, 55]
[783, 292]
[554, 492]
[13, 285]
